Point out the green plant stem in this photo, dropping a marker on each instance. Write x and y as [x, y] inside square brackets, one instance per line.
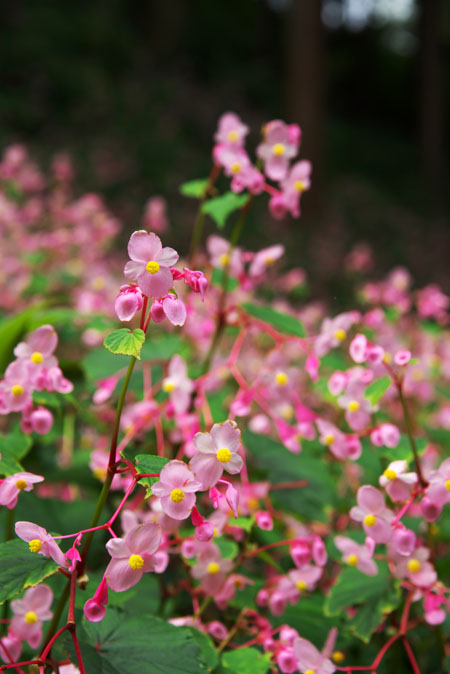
[197, 232]
[409, 431]
[9, 526]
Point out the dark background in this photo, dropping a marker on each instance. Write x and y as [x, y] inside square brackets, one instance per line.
[133, 90]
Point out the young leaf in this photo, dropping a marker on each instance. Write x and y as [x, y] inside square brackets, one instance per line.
[125, 341]
[13, 448]
[194, 188]
[148, 463]
[354, 587]
[221, 207]
[247, 661]
[20, 568]
[285, 323]
[376, 390]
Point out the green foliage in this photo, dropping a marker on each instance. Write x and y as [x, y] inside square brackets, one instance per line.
[247, 661]
[403, 449]
[11, 331]
[148, 463]
[194, 188]
[376, 390]
[217, 280]
[13, 448]
[220, 208]
[373, 612]
[20, 568]
[126, 342]
[285, 323]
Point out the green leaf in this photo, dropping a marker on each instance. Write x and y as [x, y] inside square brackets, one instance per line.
[228, 549]
[376, 390]
[13, 447]
[354, 587]
[125, 341]
[217, 280]
[247, 661]
[245, 523]
[282, 322]
[127, 644]
[11, 330]
[20, 568]
[148, 463]
[163, 346]
[221, 207]
[403, 450]
[209, 654]
[194, 188]
[373, 612]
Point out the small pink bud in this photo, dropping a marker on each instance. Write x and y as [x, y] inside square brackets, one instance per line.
[157, 312]
[217, 630]
[204, 532]
[262, 598]
[319, 552]
[264, 520]
[301, 554]
[404, 541]
[430, 511]
[41, 421]
[126, 305]
[402, 357]
[232, 498]
[358, 348]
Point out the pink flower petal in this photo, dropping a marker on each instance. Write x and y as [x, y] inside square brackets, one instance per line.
[143, 246]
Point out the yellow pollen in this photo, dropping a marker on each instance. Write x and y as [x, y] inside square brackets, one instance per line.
[253, 503]
[98, 283]
[310, 671]
[35, 545]
[215, 532]
[287, 412]
[281, 378]
[278, 149]
[353, 406]
[370, 520]
[213, 568]
[328, 439]
[177, 495]
[223, 455]
[168, 386]
[236, 167]
[299, 185]
[301, 585]
[338, 656]
[36, 358]
[30, 618]
[17, 390]
[352, 560]
[136, 562]
[233, 136]
[447, 485]
[224, 259]
[100, 473]
[269, 261]
[390, 474]
[414, 565]
[340, 334]
[21, 484]
[152, 267]
[387, 357]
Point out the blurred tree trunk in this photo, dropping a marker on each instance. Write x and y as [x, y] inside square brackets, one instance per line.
[304, 87]
[431, 112]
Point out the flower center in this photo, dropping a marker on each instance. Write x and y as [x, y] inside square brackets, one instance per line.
[98, 283]
[17, 390]
[278, 149]
[269, 261]
[213, 568]
[299, 185]
[223, 455]
[340, 334]
[36, 358]
[390, 474]
[177, 495]
[224, 259]
[168, 386]
[235, 167]
[447, 485]
[100, 473]
[328, 439]
[35, 545]
[310, 671]
[370, 520]
[353, 406]
[21, 484]
[233, 136]
[352, 560]
[301, 585]
[338, 656]
[152, 267]
[136, 562]
[281, 378]
[287, 412]
[414, 565]
[30, 618]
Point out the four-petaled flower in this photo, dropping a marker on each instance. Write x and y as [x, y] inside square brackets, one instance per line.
[217, 451]
[132, 556]
[150, 264]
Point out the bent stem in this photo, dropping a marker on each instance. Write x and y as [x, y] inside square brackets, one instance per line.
[197, 232]
[407, 418]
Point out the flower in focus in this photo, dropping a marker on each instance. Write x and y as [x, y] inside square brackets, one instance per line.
[217, 451]
[40, 542]
[150, 264]
[176, 489]
[132, 556]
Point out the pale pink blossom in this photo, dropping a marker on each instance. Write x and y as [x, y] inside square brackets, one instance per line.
[222, 256]
[38, 350]
[217, 451]
[178, 385]
[30, 612]
[211, 569]
[132, 556]
[438, 490]
[397, 482]
[372, 512]
[279, 146]
[15, 388]
[264, 259]
[150, 264]
[356, 555]
[417, 568]
[40, 542]
[176, 489]
[231, 130]
[334, 331]
[11, 487]
[297, 181]
[310, 659]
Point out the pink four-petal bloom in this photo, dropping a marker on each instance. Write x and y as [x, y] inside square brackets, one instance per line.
[40, 541]
[11, 487]
[310, 659]
[217, 451]
[132, 556]
[176, 489]
[150, 264]
[372, 512]
[30, 612]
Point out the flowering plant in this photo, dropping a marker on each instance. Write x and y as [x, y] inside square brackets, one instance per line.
[222, 485]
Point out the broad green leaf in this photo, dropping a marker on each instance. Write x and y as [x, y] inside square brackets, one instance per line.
[20, 568]
[247, 661]
[217, 280]
[403, 450]
[285, 323]
[219, 208]
[126, 342]
[127, 644]
[354, 587]
[163, 346]
[13, 447]
[194, 188]
[373, 612]
[245, 523]
[228, 549]
[100, 363]
[11, 331]
[209, 654]
[376, 390]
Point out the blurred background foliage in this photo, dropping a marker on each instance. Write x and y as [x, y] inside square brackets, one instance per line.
[132, 89]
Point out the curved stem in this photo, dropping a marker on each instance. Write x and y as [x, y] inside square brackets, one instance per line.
[423, 482]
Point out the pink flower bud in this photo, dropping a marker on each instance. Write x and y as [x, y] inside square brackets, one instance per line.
[204, 532]
[264, 520]
[197, 517]
[402, 357]
[157, 312]
[217, 630]
[404, 541]
[262, 598]
[175, 310]
[232, 498]
[287, 661]
[337, 383]
[41, 421]
[430, 511]
[288, 634]
[277, 207]
[358, 348]
[126, 305]
[188, 548]
[312, 367]
[319, 552]
[94, 611]
[301, 554]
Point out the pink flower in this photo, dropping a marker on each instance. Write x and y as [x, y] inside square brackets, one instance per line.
[178, 385]
[372, 512]
[10, 647]
[402, 357]
[128, 302]
[95, 608]
[296, 182]
[41, 420]
[438, 491]
[40, 542]
[310, 660]
[211, 569]
[174, 309]
[219, 251]
[264, 259]
[30, 612]
[132, 556]
[16, 387]
[217, 451]
[38, 349]
[417, 568]
[357, 555]
[176, 489]
[105, 389]
[434, 614]
[386, 434]
[305, 578]
[11, 487]
[231, 130]
[279, 145]
[150, 264]
[334, 331]
[397, 482]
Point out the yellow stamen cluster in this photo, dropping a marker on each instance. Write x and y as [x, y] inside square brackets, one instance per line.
[213, 568]
[414, 565]
[281, 378]
[301, 585]
[21, 484]
[136, 562]
[235, 167]
[17, 390]
[370, 520]
[390, 474]
[338, 656]
[152, 267]
[100, 473]
[30, 618]
[223, 455]
[98, 283]
[224, 260]
[310, 671]
[340, 334]
[35, 545]
[353, 406]
[287, 412]
[168, 386]
[278, 149]
[299, 185]
[177, 495]
[36, 358]
[447, 485]
[352, 560]
[269, 261]
[233, 136]
[328, 439]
